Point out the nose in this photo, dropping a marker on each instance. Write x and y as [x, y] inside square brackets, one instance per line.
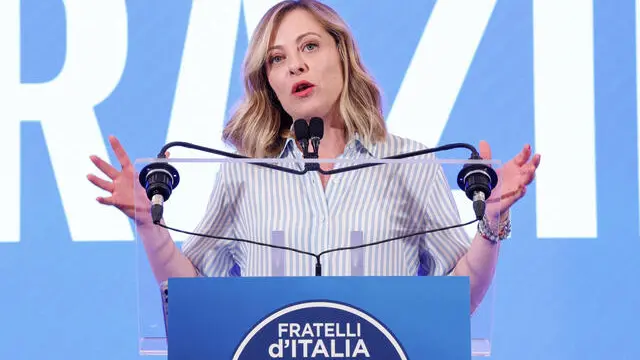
[297, 65]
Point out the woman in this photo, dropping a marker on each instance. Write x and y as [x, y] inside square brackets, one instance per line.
[302, 62]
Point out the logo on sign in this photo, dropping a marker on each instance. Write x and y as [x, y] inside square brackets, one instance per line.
[319, 330]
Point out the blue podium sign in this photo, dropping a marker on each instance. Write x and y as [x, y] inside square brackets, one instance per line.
[319, 318]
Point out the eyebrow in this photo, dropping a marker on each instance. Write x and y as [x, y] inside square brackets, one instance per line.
[297, 39]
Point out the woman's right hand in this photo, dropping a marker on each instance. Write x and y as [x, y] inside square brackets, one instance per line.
[126, 193]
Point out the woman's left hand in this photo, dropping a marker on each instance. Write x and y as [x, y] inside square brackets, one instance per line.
[513, 179]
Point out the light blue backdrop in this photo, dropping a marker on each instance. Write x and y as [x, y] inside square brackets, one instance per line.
[560, 75]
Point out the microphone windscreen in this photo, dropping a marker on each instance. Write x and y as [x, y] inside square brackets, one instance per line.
[301, 129]
[316, 127]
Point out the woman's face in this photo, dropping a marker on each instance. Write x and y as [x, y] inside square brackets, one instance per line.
[304, 67]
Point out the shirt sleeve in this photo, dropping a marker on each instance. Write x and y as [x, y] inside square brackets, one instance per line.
[213, 257]
[441, 250]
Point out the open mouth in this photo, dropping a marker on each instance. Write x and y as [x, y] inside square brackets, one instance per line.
[302, 88]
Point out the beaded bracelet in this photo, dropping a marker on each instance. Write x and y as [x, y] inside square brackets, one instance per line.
[504, 230]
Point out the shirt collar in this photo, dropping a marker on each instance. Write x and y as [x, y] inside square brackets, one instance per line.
[358, 144]
[288, 147]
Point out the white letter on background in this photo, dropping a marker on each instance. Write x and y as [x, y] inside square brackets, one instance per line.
[564, 119]
[95, 59]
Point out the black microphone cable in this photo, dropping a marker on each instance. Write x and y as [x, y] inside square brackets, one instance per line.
[318, 268]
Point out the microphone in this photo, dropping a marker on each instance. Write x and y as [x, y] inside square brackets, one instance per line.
[477, 181]
[301, 129]
[316, 131]
[311, 132]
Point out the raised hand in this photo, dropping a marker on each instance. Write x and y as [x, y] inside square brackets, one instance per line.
[514, 177]
[125, 192]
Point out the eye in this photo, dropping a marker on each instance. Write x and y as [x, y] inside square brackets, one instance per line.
[310, 46]
[274, 59]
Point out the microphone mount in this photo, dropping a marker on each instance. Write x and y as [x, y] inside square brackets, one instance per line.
[477, 180]
[158, 179]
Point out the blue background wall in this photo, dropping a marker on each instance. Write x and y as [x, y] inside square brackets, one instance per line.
[567, 284]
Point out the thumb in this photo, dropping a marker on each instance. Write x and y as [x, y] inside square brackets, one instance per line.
[485, 150]
[166, 154]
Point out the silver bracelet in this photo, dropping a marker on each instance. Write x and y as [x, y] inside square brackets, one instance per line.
[504, 230]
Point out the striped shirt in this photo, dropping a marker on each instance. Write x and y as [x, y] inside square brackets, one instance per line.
[361, 206]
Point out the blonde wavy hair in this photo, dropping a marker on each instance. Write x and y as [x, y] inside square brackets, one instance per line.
[259, 126]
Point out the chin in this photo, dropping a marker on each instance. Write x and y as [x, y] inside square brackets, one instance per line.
[307, 112]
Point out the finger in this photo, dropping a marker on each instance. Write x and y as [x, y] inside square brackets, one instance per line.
[105, 167]
[485, 150]
[523, 156]
[106, 200]
[536, 160]
[122, 156]
[101, 183]
[528, 173]
[529, 177]
[167, 154]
